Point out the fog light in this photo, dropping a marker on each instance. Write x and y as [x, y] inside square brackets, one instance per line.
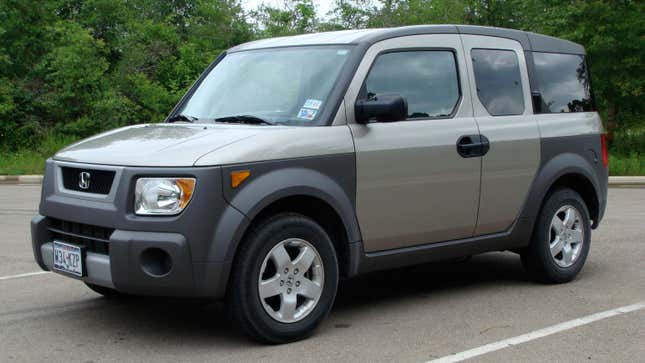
[156, 262]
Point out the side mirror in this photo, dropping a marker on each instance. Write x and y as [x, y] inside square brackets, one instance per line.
[382, 107]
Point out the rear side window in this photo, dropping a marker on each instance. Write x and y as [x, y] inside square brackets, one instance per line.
[499, 85]
[563, 82]
[426, 79]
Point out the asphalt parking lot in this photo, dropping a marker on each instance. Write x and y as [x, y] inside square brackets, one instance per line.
[409, 315]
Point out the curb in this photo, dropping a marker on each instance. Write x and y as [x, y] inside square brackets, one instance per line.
[626, 181]
[614, 181]
[21, 179]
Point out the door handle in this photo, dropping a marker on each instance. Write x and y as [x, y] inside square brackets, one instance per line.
[470, 146]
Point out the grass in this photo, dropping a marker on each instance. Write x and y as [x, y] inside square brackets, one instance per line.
[627, 165]
[627, 152]
[626, 156]
[32, 161]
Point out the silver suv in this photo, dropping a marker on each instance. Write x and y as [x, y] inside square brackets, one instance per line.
[295, 162]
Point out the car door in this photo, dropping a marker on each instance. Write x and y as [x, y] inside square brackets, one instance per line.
[502, 106]
[413, 187]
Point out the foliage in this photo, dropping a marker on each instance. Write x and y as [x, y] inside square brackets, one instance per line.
[627, 153]
[77, 67]
[627, 165]
[295, 17]
[32, 161]
[72, 68]
[613, 33]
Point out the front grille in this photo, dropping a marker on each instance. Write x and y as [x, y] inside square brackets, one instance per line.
[98, 181]
[96, 239]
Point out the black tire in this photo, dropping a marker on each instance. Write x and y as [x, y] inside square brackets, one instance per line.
[461, 260]
[537, 259]
[105, 291]
[243, 298]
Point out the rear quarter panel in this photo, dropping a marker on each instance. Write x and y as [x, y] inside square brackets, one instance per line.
[570, 144]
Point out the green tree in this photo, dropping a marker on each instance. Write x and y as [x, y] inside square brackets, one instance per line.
[295, 17]
[351, 14]
[79, 67]
[613, 33]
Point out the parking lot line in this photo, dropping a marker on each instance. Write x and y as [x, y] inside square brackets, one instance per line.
[488, 348]
[28, 274]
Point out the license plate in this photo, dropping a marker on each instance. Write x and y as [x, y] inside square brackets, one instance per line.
[68, 258]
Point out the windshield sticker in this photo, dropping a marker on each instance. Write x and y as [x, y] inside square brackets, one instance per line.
[311, 103]
[342, 52]
[307, 114]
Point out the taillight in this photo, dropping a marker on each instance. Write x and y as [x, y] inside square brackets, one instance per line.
[603, 143]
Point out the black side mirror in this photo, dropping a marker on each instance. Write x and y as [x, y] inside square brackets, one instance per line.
[383, 107]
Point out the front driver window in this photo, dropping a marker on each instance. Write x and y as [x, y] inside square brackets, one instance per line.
[427, 79]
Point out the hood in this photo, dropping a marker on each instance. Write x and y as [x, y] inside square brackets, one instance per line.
[170, 145]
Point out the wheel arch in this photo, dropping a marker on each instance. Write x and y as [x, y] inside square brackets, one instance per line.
[566, 170]
[322, 213]
[298, 190]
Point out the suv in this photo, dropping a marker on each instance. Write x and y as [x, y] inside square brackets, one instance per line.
[294, 162]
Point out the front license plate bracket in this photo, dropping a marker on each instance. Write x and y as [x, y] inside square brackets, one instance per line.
[69, 259]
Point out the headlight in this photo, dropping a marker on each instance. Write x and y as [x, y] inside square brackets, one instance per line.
[162, 196]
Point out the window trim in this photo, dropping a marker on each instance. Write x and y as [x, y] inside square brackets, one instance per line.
[519, 68]
[363, 90]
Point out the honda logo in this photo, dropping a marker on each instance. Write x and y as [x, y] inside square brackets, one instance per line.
[84, 180]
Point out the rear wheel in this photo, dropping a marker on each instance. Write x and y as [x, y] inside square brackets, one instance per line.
[561, 240]
[284, 280]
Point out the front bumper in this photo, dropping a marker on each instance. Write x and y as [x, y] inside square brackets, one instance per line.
[198, 244]
[97, 265]
[126, 268]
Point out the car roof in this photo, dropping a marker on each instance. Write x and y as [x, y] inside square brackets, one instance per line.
[530, 41]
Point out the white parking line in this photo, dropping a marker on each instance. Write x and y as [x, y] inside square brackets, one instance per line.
[471, 353]
[28, 274]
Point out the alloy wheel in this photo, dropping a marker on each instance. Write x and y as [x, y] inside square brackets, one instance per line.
[291, 280]
[566, 236]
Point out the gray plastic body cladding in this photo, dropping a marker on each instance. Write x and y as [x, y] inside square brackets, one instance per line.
[330, 178]
[517, 236]
[207, 221]
[125, 251]
[39, 234]
[579, 154]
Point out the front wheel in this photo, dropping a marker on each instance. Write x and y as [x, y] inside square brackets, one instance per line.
[284, 279]
[561, 240]
[105, 291]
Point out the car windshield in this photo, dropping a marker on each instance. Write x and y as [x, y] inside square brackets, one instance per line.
[280, 86]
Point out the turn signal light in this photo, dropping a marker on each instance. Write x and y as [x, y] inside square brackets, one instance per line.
[239, 176]
[187, 186]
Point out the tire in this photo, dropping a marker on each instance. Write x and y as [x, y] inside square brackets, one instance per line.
[461, 260]
[269, 319]
[105, 291]
[541, 258]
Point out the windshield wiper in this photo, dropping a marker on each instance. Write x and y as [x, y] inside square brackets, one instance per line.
[182, 117]
[244, 119]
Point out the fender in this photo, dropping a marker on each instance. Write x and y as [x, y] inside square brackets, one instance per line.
[328, 178]
[552, 170]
